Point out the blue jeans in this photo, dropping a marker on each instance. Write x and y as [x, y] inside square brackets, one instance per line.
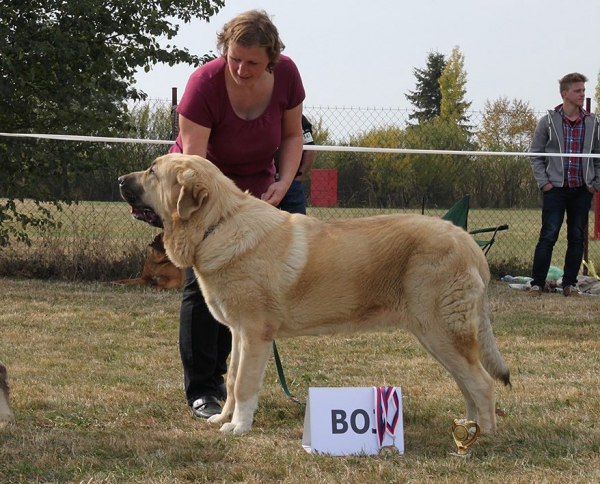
[576, 203]
[294, 200]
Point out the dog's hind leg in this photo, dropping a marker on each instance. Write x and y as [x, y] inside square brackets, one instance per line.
[477, 388]
[480, 386]
[474, 382]
[469, 401]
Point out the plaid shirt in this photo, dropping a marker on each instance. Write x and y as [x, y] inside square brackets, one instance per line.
[573, 133]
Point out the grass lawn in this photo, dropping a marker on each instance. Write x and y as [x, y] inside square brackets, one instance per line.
[98, 396]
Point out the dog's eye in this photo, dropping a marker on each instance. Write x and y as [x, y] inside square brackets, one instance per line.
[151, 171]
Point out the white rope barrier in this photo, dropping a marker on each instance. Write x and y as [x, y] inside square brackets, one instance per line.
[95, 139]
[360, 149]
[444, 152]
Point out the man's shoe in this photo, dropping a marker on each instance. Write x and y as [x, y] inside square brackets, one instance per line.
[205, 407]
[535, 291]
[571, 291]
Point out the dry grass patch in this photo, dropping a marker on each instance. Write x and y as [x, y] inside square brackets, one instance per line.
[98, 397]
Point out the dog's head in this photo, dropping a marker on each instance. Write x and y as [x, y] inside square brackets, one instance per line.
[175, 187]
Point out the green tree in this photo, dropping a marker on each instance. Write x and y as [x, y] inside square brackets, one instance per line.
[387, 175]
[149, 120]
[69, 67]
[437, 178]
[442, 125]
[427, 96]
[507, 126]
[452, 83]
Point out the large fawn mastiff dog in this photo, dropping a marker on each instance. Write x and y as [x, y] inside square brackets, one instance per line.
[268, 274]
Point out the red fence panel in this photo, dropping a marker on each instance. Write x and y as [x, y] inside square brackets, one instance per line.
[323, 188]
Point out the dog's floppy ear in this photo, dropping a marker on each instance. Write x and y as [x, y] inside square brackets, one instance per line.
[191, 195]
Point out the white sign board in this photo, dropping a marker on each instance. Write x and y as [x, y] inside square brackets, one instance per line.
[343, 421]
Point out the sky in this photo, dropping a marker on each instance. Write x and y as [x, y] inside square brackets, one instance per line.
[362, 54]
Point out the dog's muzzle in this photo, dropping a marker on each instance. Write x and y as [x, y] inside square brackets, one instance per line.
[139, 211]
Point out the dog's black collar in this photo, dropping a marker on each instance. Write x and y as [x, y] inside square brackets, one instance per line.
[211, 229]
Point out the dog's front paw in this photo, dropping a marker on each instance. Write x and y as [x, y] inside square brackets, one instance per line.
[228, 428]
[217, 419]
[236, 429]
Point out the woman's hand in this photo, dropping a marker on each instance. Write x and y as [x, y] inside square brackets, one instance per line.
[275, 193]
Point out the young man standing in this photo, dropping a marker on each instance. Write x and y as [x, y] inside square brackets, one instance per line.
[568, 184]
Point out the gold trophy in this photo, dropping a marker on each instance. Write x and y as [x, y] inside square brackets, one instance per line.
[465, 434]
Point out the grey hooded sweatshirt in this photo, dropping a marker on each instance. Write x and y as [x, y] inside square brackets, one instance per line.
[548, 138]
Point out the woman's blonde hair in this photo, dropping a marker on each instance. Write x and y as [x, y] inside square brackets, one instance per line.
[252, 28]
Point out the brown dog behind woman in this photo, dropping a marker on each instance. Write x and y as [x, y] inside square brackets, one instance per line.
[159, 272]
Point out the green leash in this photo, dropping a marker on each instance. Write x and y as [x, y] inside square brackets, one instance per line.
[282, 376]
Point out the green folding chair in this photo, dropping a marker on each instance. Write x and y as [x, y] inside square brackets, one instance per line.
[459, 215]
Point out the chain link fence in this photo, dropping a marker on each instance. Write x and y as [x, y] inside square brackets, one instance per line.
[95, 237]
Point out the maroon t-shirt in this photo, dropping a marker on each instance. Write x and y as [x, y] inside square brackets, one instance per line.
[242, 149]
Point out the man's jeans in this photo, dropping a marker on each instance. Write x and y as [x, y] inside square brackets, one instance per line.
[576, 203]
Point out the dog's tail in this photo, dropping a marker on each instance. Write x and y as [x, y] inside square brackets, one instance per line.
[489, 354]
